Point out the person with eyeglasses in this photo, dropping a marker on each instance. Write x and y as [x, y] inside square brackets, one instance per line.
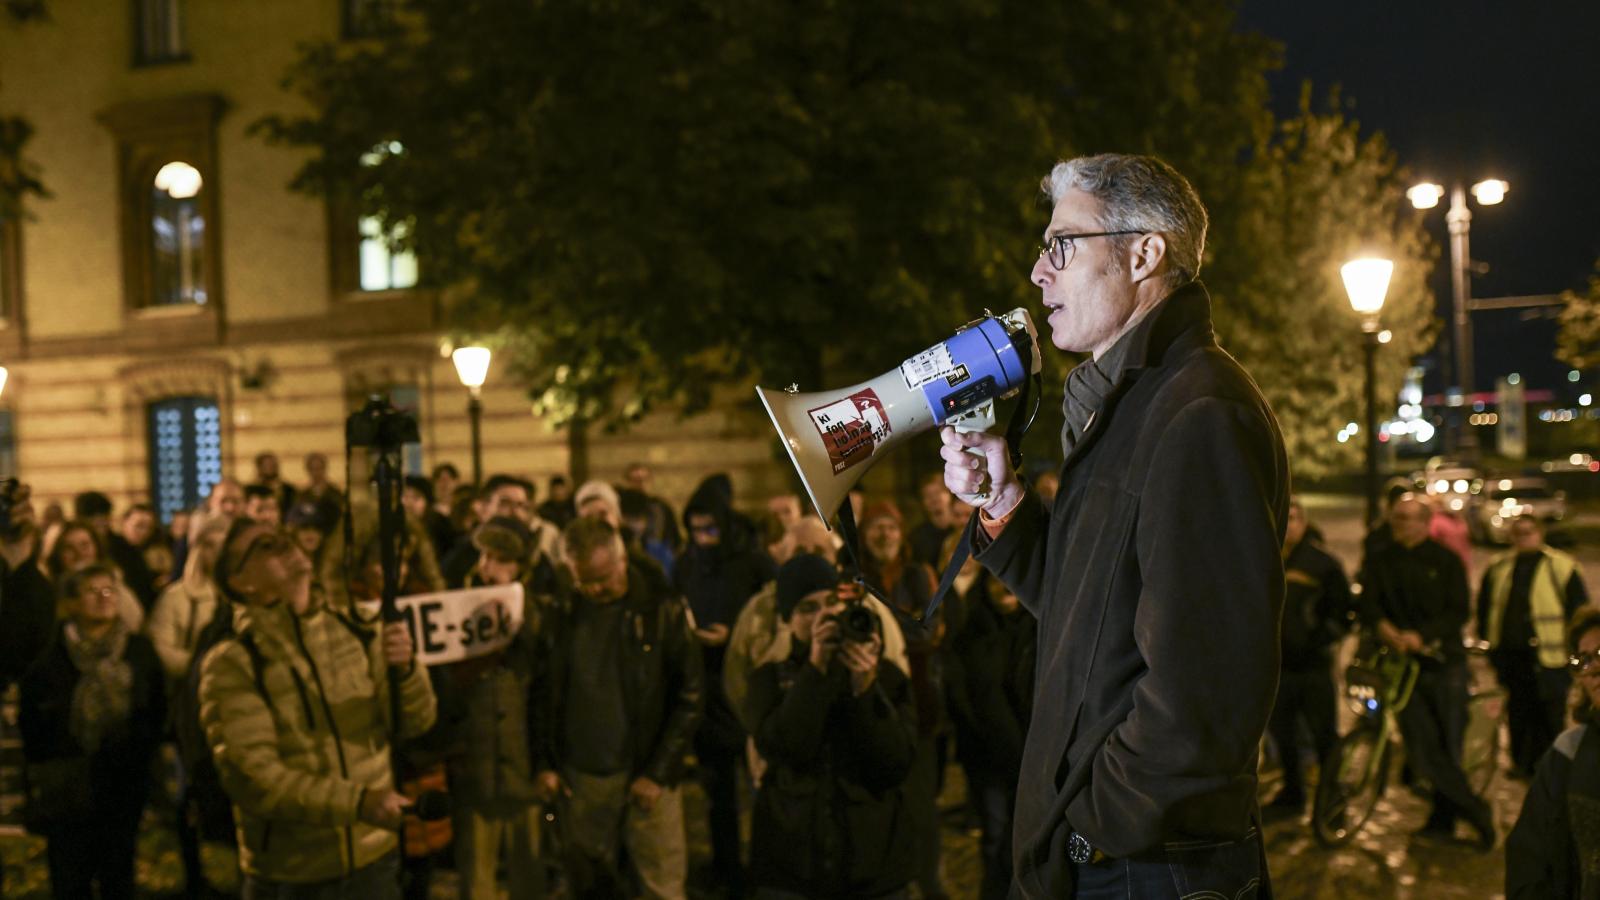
[296, 710]
[92, 713]
[1553, 851]
[1155, 573]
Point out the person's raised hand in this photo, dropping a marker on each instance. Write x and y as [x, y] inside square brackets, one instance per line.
[824, 643]
[397, 647]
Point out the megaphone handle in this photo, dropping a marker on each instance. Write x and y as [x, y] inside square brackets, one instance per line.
[978, 419]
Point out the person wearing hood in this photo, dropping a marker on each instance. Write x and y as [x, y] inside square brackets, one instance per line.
[717, 574]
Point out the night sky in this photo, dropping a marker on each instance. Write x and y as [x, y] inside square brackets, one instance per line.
[1467, 91]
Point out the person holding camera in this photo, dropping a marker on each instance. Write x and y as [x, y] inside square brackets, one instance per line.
[296, 709]
[838, 728]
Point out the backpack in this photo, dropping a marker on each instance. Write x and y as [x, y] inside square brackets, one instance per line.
[204, 802]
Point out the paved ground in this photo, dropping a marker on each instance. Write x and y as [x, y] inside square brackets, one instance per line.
[1383, 862]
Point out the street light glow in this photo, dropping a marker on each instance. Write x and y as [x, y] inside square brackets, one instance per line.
[4, 375]
[1425, 196]
[1385, 336]
[472, 366]
[1367, 282]
[1490, 192]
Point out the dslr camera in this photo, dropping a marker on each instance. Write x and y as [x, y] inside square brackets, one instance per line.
[380, 426]
[857, 624]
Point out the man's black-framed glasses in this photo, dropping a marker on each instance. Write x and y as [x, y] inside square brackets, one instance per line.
[1059, 248]
[1584, 663]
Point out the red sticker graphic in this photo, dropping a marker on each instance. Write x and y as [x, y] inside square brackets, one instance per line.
[851, 428]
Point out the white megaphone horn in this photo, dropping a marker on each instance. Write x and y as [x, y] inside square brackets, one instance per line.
[834, 437]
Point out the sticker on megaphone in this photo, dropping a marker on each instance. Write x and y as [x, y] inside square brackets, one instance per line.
[830, 435]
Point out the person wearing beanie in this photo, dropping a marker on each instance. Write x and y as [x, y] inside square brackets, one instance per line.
[837, 727]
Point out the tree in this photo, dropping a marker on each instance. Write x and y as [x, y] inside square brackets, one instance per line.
[644, 199]
[1312, 197]
[1578, 343]
[655, 197]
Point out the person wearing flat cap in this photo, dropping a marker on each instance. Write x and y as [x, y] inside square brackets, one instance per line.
[838, 728]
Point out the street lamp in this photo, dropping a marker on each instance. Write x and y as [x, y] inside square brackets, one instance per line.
[1367, 283]
[1459, 219]
[472, 367]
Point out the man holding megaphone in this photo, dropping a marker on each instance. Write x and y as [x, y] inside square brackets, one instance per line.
[1155, 574]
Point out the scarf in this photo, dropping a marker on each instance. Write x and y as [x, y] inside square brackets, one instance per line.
[103, 699]
[1093, 380]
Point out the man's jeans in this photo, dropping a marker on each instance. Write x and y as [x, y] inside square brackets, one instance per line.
[601, 814]
[379, 881]
[1191, 871]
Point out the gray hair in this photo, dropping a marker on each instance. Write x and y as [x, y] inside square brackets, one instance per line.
[1139, 193]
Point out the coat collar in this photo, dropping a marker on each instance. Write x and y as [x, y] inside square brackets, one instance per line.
[1178, 324]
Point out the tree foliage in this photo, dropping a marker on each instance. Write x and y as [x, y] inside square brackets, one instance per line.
[1312, 197]
[1578, 342]
[644, 199]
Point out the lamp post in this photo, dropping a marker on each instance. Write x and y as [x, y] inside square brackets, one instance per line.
[472, 367]
[1459, 220]
[1367, 283]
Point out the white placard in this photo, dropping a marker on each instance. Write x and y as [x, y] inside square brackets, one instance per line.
[451, 626]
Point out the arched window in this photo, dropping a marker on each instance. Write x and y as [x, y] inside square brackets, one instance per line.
[177, 236]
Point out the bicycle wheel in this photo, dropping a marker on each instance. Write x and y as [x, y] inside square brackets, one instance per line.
[1348, 787]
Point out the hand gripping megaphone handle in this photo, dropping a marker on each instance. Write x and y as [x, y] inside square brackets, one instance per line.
[979, 419]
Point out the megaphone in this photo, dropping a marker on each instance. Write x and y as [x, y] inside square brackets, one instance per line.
[834, 437]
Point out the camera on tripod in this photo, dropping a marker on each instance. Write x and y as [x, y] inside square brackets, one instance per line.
[380, 426]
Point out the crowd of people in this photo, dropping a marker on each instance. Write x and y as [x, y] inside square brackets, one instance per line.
[738, 645]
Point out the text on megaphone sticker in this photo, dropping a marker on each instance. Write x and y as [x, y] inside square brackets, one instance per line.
[928, 366]
[851, 428]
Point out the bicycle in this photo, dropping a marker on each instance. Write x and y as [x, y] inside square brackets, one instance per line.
[1379, 685]
[1486, 713]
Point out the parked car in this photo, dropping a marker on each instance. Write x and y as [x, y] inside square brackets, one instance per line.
[1453, 484]
[1503, 499]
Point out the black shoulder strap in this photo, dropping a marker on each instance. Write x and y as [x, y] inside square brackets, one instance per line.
[362, 633]
[258, 663]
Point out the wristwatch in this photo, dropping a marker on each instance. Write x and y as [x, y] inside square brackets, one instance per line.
[1080, 851]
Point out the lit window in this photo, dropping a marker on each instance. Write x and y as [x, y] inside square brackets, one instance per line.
[178, 235]
[185, 452]
[160, 31]
[382, 268]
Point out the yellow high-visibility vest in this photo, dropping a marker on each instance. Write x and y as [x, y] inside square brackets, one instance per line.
[1546, 602]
